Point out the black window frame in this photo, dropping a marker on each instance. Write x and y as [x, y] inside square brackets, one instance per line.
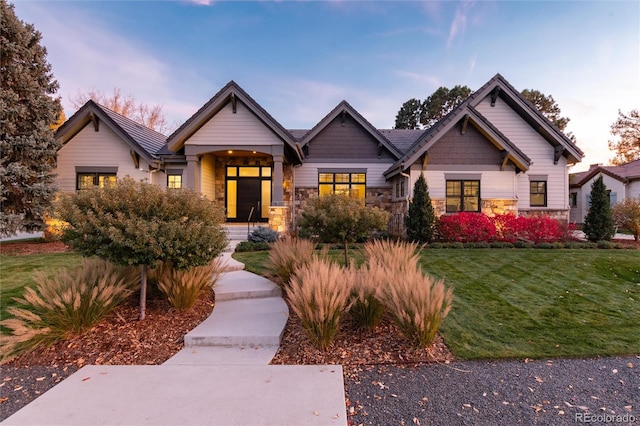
[461, 196]
[537, 192]
[96, 178]
[351, 183]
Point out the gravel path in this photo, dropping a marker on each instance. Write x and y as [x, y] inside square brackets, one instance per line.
[546, 392]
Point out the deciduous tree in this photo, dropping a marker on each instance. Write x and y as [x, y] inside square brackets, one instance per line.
[137, 223]
[27, 110]
[149, 116]
[627, 128]
[626, 215]
[340, 219]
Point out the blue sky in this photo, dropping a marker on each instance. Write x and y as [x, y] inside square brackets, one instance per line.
[300, 59]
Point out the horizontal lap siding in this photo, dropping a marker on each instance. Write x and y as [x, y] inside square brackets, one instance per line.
[633, 189]
[494, 184]
[95, 149]
[536, 148]
[306, 176]
[227, 128]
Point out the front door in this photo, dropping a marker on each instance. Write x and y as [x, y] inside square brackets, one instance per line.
[249, 200]
[248, 192]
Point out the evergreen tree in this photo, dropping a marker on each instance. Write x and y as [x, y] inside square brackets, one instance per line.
[598, 224]
[421, 219]
[27, 110]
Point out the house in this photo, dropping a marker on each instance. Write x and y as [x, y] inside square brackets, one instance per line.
[493, 153]
[622, 182]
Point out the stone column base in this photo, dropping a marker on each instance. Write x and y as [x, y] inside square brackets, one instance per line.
[278, 218]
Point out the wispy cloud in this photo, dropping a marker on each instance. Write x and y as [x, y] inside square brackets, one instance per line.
[200, 2]
[472, 62]
[430, 80]
[460, 21]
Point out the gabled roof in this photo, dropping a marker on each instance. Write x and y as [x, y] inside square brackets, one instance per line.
[231, 92]
[344, 107]
[144, 141]
[402, 139]
[462, 112]
[623, 173]
[529, 113]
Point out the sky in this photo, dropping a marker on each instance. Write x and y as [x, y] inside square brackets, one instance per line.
[298, 60]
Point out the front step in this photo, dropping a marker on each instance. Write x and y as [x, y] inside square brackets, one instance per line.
[244, 322]
[244, 285]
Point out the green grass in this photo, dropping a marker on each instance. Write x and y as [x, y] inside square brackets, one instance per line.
[534, 303]
[16, 272]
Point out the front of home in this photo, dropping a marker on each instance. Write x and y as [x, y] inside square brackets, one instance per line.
[494, 153]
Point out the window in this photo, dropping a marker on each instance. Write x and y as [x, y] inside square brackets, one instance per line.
[538, 193]
[463, 195]
[350, 184]
[573, 199]
[174, 181]
[400, 188]
[101, 180]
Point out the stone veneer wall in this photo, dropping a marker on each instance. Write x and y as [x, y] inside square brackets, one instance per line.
[560, 215]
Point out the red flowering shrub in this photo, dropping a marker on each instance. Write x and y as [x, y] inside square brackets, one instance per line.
[466, 227]
[477, 227]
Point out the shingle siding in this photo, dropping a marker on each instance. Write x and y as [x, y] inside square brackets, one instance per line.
[470, 148]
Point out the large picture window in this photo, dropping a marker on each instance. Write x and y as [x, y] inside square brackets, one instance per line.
[344, 183]
[463, 196]
[538, 193]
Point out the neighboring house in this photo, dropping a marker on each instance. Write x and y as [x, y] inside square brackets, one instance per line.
[621, 181]
[493, 153]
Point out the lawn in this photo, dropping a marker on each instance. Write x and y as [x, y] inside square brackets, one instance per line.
[17, 272]
[533, 303]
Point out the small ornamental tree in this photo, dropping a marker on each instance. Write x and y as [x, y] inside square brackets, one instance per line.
[341, 219]
[598, 224]
[421, 218]
[626, 215]
[137, 223]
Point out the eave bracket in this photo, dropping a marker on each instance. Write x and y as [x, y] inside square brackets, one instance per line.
[494, 95]
[234, 103]
[465, 122]
[95, 121]
[557, 153]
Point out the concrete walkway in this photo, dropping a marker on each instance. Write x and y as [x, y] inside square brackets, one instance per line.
[221, 377]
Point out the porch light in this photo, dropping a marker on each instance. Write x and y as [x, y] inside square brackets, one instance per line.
[229, 152]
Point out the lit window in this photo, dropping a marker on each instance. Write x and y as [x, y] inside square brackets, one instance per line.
[463, 195]
[90, 180]
[350, 184]
[174, 181]
[538, 192]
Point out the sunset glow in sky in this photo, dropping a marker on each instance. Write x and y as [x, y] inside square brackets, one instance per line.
[300, 59]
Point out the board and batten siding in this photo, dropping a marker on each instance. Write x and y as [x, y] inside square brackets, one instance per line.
[494, 183]
[306, 176]
[96, 149]
[503, 117]
[226, 128]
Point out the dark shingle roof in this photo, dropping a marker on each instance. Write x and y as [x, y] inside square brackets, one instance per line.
[298, 134]
[150, 140]
[402, 139]
[627, 171]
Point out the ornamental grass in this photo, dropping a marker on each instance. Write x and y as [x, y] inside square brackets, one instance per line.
[66, 303]
[366, 308]
[286, 255]
[319, 293]
[183, 287]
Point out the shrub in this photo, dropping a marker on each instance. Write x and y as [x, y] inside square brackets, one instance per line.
[603, 244]
[287, 254]
[501, 244]
[598, 223]
[544, 246]
[66, 303]
[243, 246]
[341, 219]
[523, 244]
[262, 234]
[417, 303]
[466, 227]
[183, 287]
[319, 293]
[421, 218]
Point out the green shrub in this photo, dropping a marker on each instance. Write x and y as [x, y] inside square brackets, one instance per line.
[598, 223]
[262, 234]
[456, 245]
[501, 244]
[523, 244]
[319, 293]
[544, 246]
[287, 254]
[66, 303]
[182, 287]
[435, 245]
[421, 219]
[605, 244]
[243, 246]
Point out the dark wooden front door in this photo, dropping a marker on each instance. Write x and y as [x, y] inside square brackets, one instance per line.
[249, 196]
